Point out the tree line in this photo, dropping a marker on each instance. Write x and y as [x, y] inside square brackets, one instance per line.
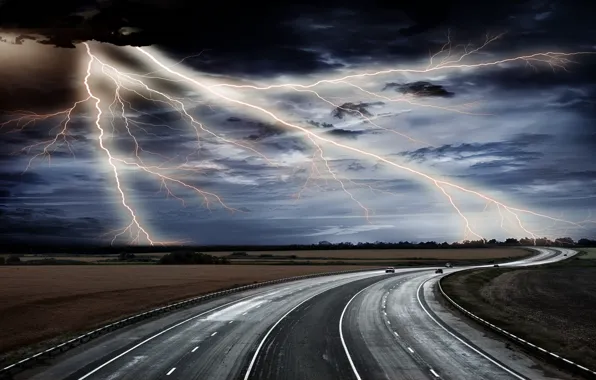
[323, 245]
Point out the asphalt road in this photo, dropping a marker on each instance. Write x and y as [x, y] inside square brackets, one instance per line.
[368, 325]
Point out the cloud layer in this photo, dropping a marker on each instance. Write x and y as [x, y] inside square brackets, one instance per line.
[522, 134]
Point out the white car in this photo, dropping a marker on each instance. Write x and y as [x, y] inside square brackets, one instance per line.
[390, 270]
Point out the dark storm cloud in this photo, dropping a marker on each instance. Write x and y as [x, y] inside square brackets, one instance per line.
[320, 124]
[345, 133]
[276, 41]
[524, 176]
[265, 130]
[39, 98]
[420, 88]
[354, 109]
[356, 166]
[44, 224]
[514, 149]
[12, 178]
[577, 73]
[276, 137]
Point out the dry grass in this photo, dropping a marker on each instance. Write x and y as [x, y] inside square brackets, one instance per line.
[439, 254]
[551, 306]
[42, 302]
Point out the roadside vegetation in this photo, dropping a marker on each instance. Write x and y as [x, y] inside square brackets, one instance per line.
[551, 306]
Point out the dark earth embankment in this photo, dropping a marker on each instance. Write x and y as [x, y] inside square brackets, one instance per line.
[551, 306]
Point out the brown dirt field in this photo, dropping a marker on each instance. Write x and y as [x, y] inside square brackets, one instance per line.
[43, 302]
[87, 259]
[552, 307]
[441, 254]
[314, 261]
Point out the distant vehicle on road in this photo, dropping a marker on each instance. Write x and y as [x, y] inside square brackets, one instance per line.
[439, 270]
[565, 255]
[448, 265]
[390, 270]
[496, 265]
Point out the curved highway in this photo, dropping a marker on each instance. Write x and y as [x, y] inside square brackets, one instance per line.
[368, 325]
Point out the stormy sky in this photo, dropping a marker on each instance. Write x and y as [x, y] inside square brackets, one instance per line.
[227, 142]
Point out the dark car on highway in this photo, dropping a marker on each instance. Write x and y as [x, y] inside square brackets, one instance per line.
[390, 270]
[496, 265]
[439, 270]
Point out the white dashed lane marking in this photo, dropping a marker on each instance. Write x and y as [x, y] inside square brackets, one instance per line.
[172, 370]
[410, 349]
[214, 333]
[194, 349]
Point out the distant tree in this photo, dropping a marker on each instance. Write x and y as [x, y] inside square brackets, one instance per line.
[564, 241]
[189, 257]
[13, 259]
[511, 241]
[586, 243]
[493, 241]
[126, 256]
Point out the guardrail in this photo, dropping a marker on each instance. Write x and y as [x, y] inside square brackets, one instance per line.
[553, 357]
[13, 369]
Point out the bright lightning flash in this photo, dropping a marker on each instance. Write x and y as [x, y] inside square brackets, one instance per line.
[130, 84]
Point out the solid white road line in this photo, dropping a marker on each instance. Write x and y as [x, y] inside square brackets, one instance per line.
[194, 349]
[254, 358]
[161, 333]
[172, 370]
[214, 333]
[341, 333]
[461, 340]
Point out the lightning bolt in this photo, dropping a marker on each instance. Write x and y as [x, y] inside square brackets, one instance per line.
[135, 84]
[314, 137]
[111, 160]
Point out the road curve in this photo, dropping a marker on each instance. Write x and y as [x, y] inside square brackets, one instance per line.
[214, 340]
[393, 328]
[358, 326]
[402, 324]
